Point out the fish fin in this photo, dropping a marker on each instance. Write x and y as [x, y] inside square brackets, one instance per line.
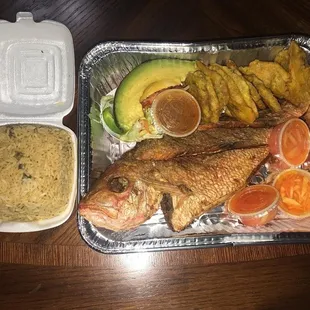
[258, 167]
[166, 205]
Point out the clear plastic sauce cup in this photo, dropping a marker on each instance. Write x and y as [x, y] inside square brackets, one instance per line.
[290, 143]
[176, 112]
[255, 205]
[294, 187]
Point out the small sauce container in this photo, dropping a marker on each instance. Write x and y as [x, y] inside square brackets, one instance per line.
[290, 143]
[176, 112]
[255, 205]
[294, 188]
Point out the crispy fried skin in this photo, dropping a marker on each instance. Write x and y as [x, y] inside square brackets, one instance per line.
[201, 142]
[208, 181]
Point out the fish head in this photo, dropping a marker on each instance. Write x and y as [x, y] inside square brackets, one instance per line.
[119, 199]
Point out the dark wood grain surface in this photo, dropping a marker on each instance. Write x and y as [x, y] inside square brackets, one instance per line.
[55, 269]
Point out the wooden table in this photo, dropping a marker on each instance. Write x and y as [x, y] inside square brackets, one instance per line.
[55, 269]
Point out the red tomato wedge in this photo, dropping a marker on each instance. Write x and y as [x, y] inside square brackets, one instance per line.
[255, 205]
[294, 188]
[290, 142]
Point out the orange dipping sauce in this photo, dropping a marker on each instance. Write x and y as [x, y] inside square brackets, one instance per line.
[290, 142]
[294, 188]
[255, 205]
[176, 112]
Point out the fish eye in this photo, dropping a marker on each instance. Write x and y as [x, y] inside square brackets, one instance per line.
[118, 184]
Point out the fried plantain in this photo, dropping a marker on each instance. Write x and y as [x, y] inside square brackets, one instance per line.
[299, 92]
[269, 99]
[197, 88]
[227, 112]
[215, 105]
[282, 58]
[256, 96]
[253, 91]
[201, 87]
[237, 104]
[297, 58]
[219, 84]
[272, 75]
[243, 87]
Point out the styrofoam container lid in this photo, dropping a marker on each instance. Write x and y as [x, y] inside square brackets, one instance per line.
[36, 68]
[37, 79]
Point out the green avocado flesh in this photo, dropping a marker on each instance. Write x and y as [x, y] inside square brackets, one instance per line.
[148, 77]
[109, 120]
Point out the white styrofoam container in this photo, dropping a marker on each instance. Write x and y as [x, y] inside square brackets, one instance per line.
[37, 87]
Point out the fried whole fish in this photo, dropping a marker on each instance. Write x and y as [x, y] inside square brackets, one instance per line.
[130, 191]
[201, 142]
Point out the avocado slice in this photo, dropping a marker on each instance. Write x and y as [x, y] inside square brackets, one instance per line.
[109, 120]
[147, 78]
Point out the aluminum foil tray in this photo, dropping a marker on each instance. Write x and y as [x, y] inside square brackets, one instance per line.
[101, 71]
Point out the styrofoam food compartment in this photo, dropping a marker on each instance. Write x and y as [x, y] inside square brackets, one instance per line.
[37, 76]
